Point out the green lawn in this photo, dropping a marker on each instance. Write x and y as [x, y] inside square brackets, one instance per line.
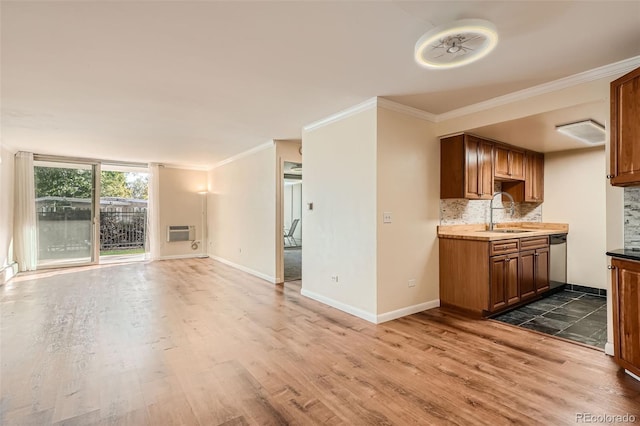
[122, 251]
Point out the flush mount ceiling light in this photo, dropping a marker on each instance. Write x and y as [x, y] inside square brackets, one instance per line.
[456, 44]
[587, 131]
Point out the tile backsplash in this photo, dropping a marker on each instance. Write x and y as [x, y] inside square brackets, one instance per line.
[460, 211]
[632, 217]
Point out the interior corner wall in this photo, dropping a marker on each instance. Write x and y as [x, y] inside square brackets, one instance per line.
[242, 213]
[6, 207]
[339, 250]
[575, 193]
[408, 186]
[181, 204]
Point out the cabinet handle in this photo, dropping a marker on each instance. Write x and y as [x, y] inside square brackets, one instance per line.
[610, 267]
[610, 176]
[537, 254]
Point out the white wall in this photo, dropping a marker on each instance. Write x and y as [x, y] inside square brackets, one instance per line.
[575, 193]
[242, 213]
[6, 210]
[340, 232]
[408, 180]
[180, 204]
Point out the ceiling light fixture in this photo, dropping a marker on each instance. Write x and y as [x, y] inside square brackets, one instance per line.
[456, 44]
[588, 131]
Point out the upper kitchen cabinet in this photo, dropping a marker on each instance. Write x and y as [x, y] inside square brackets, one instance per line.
[625, 130]
[532, 189]
[508, 163]
[466, 168]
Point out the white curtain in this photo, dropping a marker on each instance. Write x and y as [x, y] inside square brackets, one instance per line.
[25, 226]
[153, 213]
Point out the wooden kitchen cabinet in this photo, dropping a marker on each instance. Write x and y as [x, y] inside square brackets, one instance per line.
[534, 266]
[466, 168]
[531, 190]
[625, 130]
[626, 313]
[509, 163]
[503, 281]
[485, 277]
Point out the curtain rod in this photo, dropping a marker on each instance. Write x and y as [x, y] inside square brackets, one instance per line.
[43, 157]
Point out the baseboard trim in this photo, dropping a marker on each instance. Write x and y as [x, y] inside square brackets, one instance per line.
[8, 272]
[242, 268]
[632, 375]
[183, 256]
[608, 349]
[409, 310]
[352, 310]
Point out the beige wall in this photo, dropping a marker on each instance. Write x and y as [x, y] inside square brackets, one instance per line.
[408, 180]
[575, 193]
[340, 231]
[6, 209]
[180, 204]
[242, 213]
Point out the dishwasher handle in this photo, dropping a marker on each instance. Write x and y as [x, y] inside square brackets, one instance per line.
[558, 239]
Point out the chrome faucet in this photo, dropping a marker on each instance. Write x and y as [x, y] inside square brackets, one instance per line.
[491, 208]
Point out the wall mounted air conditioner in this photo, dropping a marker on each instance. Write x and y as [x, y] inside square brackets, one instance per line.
[181, 233]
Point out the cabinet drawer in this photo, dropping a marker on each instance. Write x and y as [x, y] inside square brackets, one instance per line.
[534, 242]
[504, 247]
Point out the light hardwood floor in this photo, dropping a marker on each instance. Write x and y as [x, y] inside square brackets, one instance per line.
[196, 342]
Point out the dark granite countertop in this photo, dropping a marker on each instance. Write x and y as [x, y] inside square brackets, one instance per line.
[629, 254]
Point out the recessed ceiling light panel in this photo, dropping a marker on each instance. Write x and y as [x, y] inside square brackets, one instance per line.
[456, 44]
[587, 131]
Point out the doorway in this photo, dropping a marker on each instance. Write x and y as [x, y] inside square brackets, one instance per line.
[77, 227]
[292, 220]
[65, 213]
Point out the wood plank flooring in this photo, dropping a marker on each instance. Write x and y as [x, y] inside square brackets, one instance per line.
[195, 342]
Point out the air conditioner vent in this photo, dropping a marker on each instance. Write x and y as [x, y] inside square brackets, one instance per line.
[181, 233]
[587, 131]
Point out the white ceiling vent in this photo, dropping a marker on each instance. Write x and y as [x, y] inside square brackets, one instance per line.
[587, 131]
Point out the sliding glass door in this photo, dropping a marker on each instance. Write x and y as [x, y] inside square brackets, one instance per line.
[65, 196]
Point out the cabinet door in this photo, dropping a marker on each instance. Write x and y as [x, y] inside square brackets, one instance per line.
[501, 162]
[517, 166]
[626, 314]
[534, 178]
[479, 168]
[485, 159]
[527, 274]
[625, 129]
[511, 279]
[542, 269]
[497, 291]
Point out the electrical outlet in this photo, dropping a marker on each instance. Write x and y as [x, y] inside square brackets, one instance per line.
[386, 217]
[334, 278]
[239, 250]
[411, 283]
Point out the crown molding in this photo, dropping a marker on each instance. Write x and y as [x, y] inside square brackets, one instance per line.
[183, 167]
[615, 69]
[244, 154]
[341, 115]
[404, 109]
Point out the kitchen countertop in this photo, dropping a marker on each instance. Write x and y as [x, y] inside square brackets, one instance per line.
[479, 231]
[629, 254]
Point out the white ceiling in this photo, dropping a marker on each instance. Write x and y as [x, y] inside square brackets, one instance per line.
[193, 83]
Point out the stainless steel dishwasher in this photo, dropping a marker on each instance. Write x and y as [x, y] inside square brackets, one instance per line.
[557, 260]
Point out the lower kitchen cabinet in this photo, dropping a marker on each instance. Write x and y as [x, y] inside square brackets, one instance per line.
[485, 277]
[504, 281]
[626, 313]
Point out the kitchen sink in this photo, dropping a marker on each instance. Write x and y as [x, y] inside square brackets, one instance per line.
[506, 231]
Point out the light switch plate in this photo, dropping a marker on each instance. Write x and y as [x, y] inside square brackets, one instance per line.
[386, 217]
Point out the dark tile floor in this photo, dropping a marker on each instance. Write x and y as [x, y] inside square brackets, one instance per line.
[572, 315]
